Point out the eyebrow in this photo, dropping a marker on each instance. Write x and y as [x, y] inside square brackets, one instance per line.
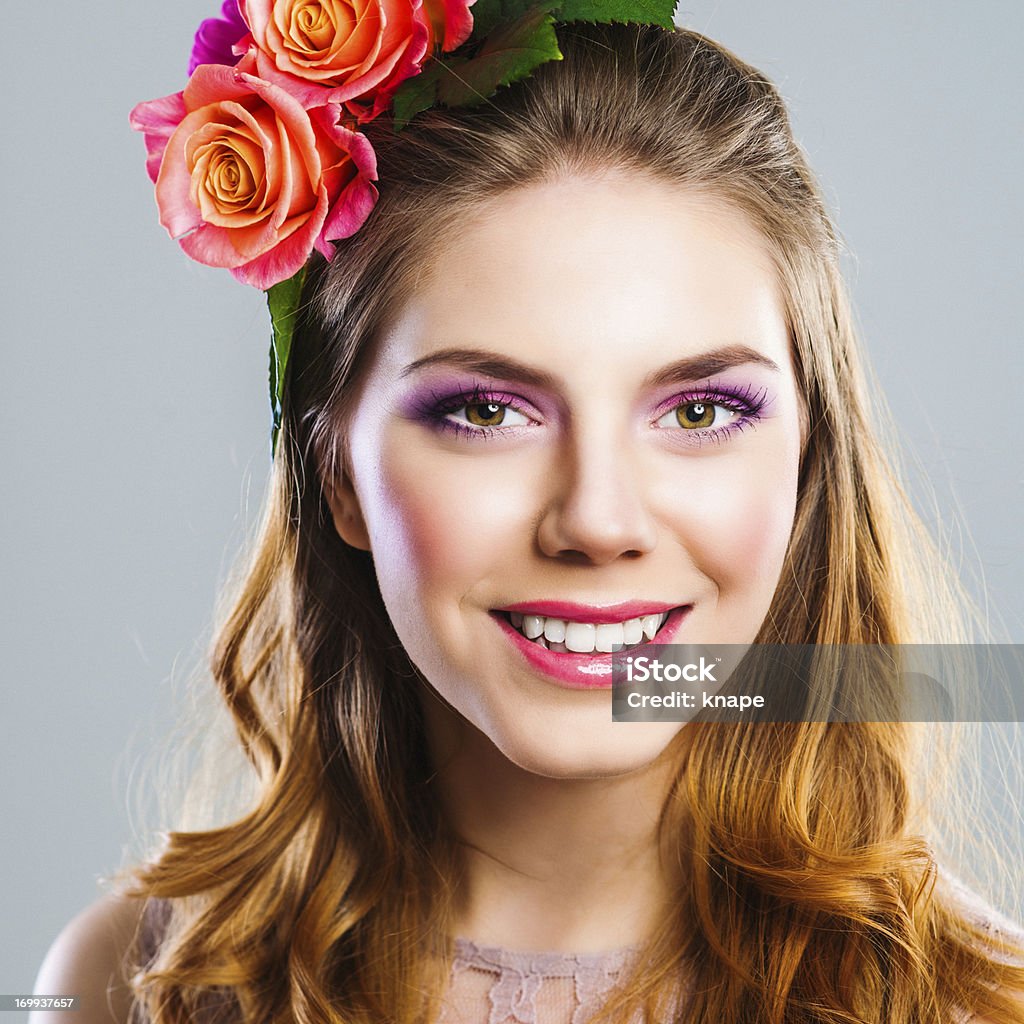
[486, 363]
[705, 364]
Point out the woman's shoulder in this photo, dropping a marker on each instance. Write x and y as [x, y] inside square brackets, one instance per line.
[977, 909]
[90, 959]
[993, 923]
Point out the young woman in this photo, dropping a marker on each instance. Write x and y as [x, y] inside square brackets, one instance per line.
[585, 379]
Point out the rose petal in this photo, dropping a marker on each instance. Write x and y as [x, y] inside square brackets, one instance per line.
[308, 94]
[231, 147]
[368, 105]
[458, 23]
[451, 22]
[214, 83]
[365, 47]
[157, 120]
[212, 245]
[235, 247]
[215, 38]
[209, 79]
[348, 214]
[178, 213]
[236, 121]
[288, 258]
[243, 46]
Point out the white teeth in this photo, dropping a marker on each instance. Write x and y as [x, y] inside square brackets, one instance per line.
[554, 630]
[533, 626]
[579, 636]
[609, 635]
[587, 637]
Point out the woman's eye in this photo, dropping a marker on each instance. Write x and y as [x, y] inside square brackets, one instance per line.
[698, 416]
[489, 414]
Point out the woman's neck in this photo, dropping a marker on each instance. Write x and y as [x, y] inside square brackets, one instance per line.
[567, 865]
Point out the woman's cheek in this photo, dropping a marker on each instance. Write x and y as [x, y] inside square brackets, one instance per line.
[450, 519]
[736, 524]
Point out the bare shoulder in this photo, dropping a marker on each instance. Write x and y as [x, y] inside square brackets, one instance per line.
[992, 923]
[87, 960]
[1018, 998]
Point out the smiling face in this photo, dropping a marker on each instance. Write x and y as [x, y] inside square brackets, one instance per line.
[587, 411]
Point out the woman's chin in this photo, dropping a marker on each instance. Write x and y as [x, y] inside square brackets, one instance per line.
[623, 749]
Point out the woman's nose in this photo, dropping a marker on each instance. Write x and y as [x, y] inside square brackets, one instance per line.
[597, 511]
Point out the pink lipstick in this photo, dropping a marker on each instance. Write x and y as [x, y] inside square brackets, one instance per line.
[582, 671]
[595, 613]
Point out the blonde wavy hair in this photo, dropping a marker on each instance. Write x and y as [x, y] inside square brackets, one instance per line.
[805, 889]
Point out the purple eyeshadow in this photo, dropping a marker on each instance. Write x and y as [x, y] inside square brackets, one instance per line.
[435, 400]
[752, 404]
[432, 403]
[744, 398]
[432, 407]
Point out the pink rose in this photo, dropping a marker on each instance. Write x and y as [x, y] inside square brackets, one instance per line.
[250, 179]
[450, 23]
[361, 50]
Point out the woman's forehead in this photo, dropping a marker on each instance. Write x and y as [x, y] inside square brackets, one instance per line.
[620, 269]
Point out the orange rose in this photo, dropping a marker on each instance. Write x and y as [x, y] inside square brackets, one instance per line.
[361, 50]
[249, 179]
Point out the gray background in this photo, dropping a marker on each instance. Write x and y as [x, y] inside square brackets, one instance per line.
[135, 414]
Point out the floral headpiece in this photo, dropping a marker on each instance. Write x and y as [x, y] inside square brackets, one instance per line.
[260, 159]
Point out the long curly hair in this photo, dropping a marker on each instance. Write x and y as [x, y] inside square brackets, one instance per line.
[805, 890]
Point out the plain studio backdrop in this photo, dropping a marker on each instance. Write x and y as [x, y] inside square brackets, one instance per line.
[135, 410]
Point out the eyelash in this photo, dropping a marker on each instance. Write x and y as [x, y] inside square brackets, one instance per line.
[746, 401]
[437, 413]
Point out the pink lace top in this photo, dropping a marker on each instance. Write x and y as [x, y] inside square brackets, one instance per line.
[500, 986]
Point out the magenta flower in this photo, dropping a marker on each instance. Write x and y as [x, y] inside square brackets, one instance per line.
[216, 38]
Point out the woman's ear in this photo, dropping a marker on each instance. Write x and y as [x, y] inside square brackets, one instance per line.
[345, 511]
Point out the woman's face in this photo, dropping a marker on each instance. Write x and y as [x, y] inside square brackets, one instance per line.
[586, 412]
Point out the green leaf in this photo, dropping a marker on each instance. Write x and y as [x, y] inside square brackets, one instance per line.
[416, 94]
[510, 39]
[644, 12]
[283, 301]
[507, 55]
[489, 14]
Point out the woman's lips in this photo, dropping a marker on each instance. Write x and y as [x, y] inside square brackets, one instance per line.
[574, 670]
[589, 612]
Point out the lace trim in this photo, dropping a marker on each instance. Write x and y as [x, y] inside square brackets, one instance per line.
[520, 976]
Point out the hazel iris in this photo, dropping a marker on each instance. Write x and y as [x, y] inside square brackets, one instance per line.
[485, 414]
[695, 414]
